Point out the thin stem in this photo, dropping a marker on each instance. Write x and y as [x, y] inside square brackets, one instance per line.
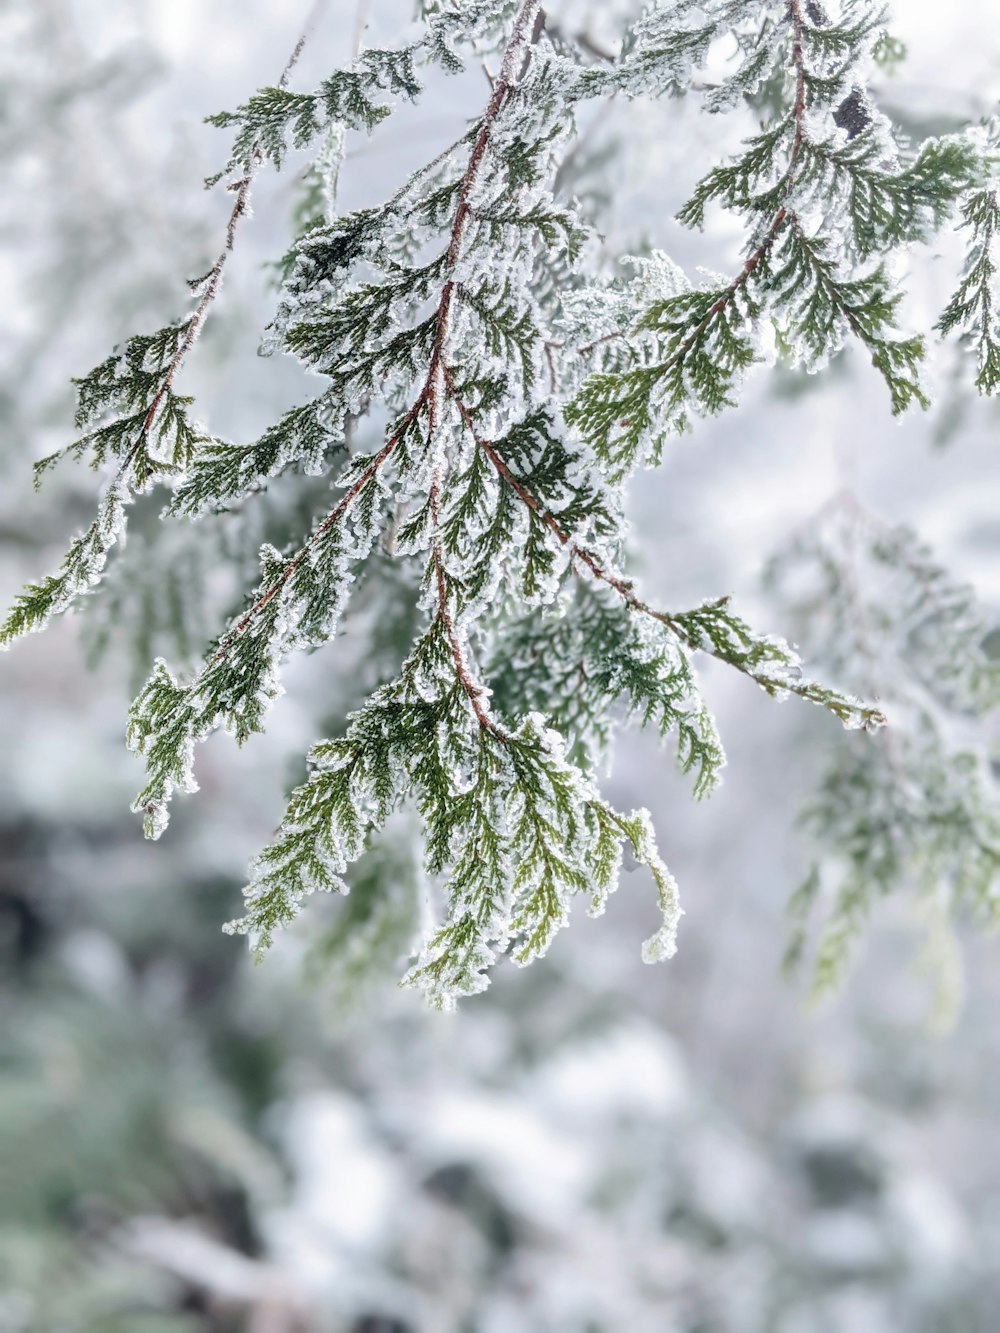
[717, 307]
[334, 516]
[597, 342]
[463, 671]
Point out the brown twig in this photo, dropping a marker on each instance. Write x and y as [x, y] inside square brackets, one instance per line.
[334, 516]
[596, 342]
[463, 671]
[581, 556]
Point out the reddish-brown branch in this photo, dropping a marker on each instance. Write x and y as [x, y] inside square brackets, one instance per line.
[210, 285]
[334, 516]
[799, 106]
[463, 671]
[577, 553]
[622, 586]
[782, 215]
[597, 342]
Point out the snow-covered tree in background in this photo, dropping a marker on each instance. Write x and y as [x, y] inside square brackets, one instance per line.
[518, 377]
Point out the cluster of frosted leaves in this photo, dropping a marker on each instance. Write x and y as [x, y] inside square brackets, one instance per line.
[171, 594]
[131, 420]
[514, 824]
[296, 605]
[130, 417]
[514, 830]
[768, 660]
[919, 810]
[603, 314]
[590, 652]
[827, 196]
[671, 42]
[310, 437]
[357, 306]
[974, 309]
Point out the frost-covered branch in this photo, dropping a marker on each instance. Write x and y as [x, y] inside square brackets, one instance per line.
[974, 309]
[825, 191]
[520, 385]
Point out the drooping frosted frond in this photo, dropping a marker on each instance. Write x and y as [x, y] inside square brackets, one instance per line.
[80, 570]
[297, 605]
[132, 421]
[672, 39]
[222, 474]
[919, 809]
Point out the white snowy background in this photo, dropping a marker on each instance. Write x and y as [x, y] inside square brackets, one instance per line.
[593, 1145]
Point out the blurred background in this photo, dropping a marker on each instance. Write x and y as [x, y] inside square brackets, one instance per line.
[189, 1142]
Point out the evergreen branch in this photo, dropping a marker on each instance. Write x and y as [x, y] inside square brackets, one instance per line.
[921, 811]
[222, 474]
[240, 676]
[616, 411]
[809, 286]
[710, 628]
[690, 350]
[82, 565]
[495, 682]
[291, 566]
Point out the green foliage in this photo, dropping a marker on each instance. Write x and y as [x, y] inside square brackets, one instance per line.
[223, 473]
[130, 416]
[132, 411]
[277, 119]
[81, 567]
